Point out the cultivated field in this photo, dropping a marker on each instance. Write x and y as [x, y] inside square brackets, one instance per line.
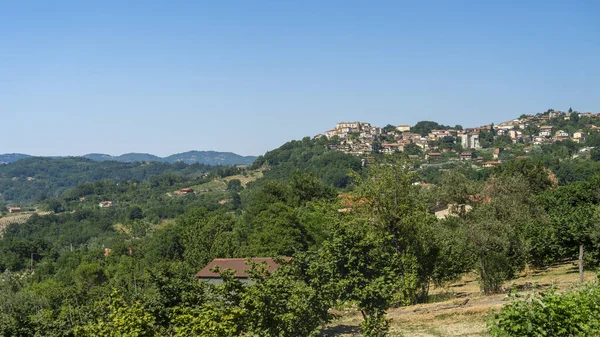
[16, 219]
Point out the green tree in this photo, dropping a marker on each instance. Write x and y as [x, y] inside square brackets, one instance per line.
[412, 149]
[123, 320]
[398, 209]
[363, 268]
[495, 230]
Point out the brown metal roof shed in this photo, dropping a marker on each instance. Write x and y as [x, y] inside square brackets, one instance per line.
[238, 265]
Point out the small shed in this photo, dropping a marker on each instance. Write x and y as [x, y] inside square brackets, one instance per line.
[466, 156]
[433, 155]
[238, 265]
[14, 209]
[186, 190]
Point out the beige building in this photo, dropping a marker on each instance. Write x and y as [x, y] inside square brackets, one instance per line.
[403, 128]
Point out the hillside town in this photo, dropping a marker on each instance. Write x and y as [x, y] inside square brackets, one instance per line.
[429, 140]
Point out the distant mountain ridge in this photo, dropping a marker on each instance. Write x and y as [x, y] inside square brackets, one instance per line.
[190, 157]
[12, 157]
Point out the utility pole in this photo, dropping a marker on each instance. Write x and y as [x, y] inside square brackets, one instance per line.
[581, 263]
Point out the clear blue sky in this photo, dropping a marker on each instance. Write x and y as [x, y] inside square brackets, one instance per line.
[248, 75]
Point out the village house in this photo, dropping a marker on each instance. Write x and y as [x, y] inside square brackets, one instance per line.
[403, 128]
[467, 155]
[515, 135]
[392, 147]
[105, 204]
[579, 137]
[559, 139]
[561, 133]
[331, 133]
[433, 155]
[375, 130]
[239, 267]
[488, 164]
[441, 133]
[348, 125]
[497, 152]
[453, 210]
[184, 191]
[553, 114]
[469, 140]
[411, 136]
[545, 131]
[14, 209]
[366, 135]
[423, 144]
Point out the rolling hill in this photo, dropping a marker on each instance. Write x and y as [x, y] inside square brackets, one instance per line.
[190, 157]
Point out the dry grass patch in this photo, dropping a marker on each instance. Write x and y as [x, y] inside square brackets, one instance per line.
[463, 309]
[246, 179]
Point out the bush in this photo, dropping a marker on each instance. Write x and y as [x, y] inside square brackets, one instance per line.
[575, 313]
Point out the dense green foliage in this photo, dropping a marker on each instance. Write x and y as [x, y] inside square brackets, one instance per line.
[361, 233]
[576, 313]
[424, 127]
[314, 156]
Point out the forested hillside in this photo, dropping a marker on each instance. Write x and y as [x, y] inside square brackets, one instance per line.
[365, 234]
[31, 180]
[310, 155]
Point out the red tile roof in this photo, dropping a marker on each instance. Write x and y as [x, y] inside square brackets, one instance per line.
[238, 265]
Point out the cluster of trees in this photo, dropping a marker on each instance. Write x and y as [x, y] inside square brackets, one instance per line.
[310, 155]
[424, 127]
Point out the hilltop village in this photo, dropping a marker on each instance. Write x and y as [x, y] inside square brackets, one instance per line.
[488, 144]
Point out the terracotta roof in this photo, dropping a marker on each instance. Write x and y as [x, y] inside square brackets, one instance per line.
[238, 265]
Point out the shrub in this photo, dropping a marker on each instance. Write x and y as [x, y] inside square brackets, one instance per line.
[575, 313]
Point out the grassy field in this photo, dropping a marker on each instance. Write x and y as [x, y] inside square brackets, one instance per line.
[245, 179]
[461, 309]
[211, 186]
